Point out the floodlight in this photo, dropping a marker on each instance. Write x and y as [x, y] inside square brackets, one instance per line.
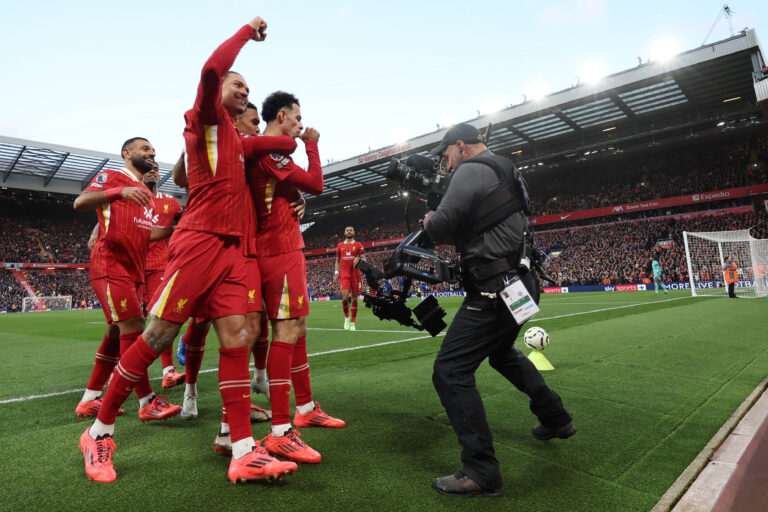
[664, 50]
[536, 91]
[490, 106]
[591, 73]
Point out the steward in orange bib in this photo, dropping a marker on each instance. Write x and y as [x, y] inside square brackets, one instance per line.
[730, 272]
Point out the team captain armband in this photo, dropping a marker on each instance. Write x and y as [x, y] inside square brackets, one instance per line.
[113, 194]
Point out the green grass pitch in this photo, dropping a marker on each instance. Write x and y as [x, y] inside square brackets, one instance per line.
[648, 378]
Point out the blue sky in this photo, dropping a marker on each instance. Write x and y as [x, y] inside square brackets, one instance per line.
[368, 74]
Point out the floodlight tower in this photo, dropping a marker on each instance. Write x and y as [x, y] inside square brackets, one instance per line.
[728, 13]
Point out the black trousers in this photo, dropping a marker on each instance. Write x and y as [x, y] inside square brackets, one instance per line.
[485, 328]
[731, 293]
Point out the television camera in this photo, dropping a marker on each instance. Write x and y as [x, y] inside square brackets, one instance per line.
[412, 259]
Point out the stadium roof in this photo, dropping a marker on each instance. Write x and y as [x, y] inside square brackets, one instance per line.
[47, 167]
[650, 104]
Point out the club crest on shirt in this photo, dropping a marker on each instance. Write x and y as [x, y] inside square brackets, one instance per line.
[102, 178]
[165, 208]
[301, 300]
[180, 305]
[124, 305]
[252, 296]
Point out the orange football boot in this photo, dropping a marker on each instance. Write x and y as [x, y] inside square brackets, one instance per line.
[158, 410]
[258, 465]
[91, 408]
[292, 447]
[317, 418]
[98, 457]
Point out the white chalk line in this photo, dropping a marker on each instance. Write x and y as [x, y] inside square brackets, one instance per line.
[348, 349]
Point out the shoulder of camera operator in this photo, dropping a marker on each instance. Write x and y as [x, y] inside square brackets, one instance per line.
[470, 183]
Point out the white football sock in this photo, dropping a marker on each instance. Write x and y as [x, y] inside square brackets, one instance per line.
[143, 401]
[242, 447]
[90, 394]
[306, 408]
[191, 389]
[99, 429]
[280, 430]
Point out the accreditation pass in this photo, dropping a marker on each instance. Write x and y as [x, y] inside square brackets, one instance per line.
[519, 301]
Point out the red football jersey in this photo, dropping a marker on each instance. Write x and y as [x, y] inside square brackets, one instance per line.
[214, 151]
[258, 147]
[275, 183]
[124, 230]
[347, 252]
[167, 209]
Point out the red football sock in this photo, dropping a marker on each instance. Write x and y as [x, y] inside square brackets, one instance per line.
[302, 389]
[195, 341]
[167, 357]
[235, 388]
[354, 312]
[279, 371]
[142, 385]
[106, 358]
[261, 347]
[224, 418]
[131, 369]
[345, 307]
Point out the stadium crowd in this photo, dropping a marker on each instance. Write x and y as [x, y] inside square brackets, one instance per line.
[71, 283]
[665, 174]
[618, 252]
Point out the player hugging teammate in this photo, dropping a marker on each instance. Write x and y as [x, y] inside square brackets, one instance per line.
[219, 261]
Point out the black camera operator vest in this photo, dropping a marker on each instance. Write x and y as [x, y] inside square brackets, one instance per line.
[508, 198]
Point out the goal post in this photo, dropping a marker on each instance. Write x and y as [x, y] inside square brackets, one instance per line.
[53, 303]
[706, 253]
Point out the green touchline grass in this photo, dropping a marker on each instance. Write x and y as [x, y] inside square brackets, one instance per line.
[649, 380]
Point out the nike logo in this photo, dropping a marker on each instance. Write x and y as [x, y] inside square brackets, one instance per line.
[563, 217]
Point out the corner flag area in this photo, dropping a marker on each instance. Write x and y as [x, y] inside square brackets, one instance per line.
[655, 383]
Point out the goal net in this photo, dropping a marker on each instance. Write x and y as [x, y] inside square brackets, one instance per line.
[57, 303]
[706, 254]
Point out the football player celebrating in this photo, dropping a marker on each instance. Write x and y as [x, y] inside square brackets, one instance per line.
[127, 220]
[206, 272]
[275, 182]
[348, 253]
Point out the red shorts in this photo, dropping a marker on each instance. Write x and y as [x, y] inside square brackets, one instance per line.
[205, 277]
[350, 282]
[284, 285]
[253, 283]
[152, 281]
[119, 297]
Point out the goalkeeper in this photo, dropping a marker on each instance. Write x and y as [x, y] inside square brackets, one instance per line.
[656, 268]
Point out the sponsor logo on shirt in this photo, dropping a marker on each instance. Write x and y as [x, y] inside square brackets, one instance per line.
[151, 215]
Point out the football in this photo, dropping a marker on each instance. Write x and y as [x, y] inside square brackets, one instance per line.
[536, 338]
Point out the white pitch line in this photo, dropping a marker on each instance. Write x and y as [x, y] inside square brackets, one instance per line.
[360, 347]
[357, 330]
[609, 309]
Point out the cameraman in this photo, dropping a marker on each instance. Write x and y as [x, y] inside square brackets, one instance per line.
[483, 326]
